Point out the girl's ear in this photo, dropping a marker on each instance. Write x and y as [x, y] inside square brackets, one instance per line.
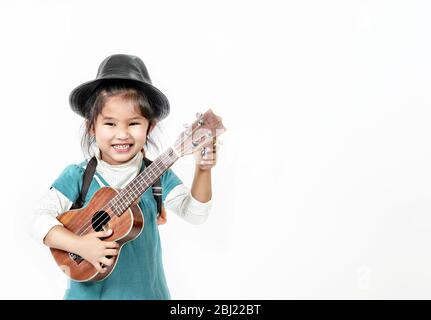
[91, 131]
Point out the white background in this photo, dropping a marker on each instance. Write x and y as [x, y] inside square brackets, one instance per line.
[323, 184]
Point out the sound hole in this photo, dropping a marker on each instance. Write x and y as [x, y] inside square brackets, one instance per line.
[100, 219]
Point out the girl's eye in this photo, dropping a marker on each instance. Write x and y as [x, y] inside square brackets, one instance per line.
[111, 124]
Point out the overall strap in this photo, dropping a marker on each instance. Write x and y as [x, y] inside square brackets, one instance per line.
[157, 189]
[86, 181]
[88, 176]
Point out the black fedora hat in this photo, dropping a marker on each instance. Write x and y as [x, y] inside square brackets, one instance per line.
[123, 67]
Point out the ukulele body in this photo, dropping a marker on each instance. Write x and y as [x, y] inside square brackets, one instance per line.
[97, 216]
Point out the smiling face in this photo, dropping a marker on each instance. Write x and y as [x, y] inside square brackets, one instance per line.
[120, 130]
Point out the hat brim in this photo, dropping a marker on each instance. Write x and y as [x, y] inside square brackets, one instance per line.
[79, 97]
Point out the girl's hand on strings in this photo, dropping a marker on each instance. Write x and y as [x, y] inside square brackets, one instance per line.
[95, 250]
[206, 158]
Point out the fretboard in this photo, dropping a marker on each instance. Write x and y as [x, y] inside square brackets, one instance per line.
[142, 182]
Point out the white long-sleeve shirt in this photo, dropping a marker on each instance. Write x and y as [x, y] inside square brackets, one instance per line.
[179, 200]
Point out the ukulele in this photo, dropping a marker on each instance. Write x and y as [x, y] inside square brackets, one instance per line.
[118, 209]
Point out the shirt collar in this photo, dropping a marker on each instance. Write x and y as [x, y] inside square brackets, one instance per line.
[134, 163]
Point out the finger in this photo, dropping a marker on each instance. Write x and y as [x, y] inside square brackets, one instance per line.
[107, 262]
[213, 146]
[210, 155]
[111, 252]
[208, 162]
[103, 234]
[161, 220]
[111, 245]
[97, 266]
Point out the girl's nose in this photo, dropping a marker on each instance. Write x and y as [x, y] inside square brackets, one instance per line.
[122, 133]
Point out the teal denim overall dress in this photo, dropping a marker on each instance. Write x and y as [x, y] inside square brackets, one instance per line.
[139, 271]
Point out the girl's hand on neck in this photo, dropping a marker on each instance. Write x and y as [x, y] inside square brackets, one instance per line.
[207, 158]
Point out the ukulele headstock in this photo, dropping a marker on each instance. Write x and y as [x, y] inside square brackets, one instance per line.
[200, 133]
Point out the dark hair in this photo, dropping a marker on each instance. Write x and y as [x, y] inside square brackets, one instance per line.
[120, 88]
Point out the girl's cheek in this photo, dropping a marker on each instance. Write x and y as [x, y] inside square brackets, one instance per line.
[104, 135]
[138, 134]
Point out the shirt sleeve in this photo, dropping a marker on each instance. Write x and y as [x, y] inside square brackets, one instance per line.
[60, 198]
[52, 203]
[180, 201]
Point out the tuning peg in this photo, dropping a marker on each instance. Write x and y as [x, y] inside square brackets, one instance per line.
[187, 132]
[203, 151]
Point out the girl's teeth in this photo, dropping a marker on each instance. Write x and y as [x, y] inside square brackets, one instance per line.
[124, 146]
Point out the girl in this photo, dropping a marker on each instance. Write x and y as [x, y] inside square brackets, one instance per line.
[121, 108]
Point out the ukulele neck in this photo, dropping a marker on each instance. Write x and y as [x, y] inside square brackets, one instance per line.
[130, 193]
